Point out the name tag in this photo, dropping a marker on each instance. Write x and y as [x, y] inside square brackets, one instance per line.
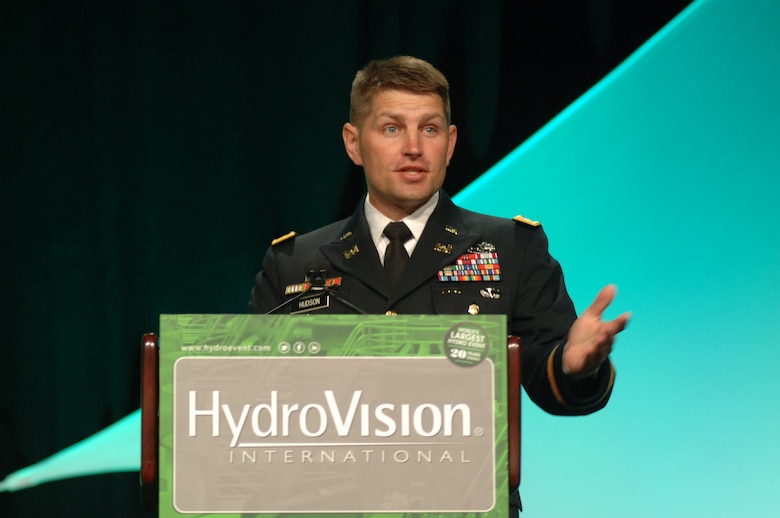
[307, 304]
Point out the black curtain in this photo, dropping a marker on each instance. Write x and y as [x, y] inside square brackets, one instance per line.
[151, 151]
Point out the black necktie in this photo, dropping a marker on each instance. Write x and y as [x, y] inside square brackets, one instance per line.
[395, 255]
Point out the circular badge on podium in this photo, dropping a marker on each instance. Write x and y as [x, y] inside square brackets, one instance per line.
[466, 344]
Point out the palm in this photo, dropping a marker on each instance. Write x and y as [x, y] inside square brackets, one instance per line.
[590, 339]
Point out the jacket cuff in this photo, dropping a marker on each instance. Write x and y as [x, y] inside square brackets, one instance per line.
[582, 396]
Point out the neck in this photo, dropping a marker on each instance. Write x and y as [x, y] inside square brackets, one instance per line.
[399, 212]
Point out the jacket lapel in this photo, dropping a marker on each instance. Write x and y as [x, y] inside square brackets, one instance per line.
[354, 253]
[444, 239]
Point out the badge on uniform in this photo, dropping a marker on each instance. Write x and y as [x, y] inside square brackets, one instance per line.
[479, 263]
[352, 252]
[303, 286]
[490, 293]
[306, 304]
[444, 249]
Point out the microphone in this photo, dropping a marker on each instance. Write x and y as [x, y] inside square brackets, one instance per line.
[315, 296]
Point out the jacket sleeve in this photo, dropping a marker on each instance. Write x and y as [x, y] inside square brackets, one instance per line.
[543, 314]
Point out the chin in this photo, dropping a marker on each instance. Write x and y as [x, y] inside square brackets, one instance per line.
[417, 198]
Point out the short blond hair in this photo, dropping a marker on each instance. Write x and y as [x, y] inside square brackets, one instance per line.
[404, 73]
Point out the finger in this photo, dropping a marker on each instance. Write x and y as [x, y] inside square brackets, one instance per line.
[602, 300]
[609, 330]
[622, 321]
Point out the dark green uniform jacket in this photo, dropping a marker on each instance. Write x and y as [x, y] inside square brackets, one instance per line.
[528, 288]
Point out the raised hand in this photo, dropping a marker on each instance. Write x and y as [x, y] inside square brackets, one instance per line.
[590, 338]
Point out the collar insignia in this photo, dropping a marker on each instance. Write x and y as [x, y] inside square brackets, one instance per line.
[445, 249]
[352, 252]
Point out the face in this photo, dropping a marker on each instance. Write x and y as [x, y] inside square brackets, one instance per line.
[404, 145]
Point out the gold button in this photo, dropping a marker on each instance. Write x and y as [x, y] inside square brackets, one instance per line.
[474, 309]
[390, 313]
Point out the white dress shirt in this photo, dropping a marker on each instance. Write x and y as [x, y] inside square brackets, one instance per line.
[415, 221]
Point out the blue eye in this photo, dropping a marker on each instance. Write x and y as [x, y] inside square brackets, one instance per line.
[392, 130]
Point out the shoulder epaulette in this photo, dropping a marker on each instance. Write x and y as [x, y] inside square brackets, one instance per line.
[283, 238]
[526, 221]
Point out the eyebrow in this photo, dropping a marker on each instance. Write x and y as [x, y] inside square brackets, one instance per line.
[425, 117]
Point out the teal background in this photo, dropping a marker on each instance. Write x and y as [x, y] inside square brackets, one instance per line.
[663, 179]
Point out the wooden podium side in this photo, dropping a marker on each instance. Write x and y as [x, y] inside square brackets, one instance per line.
[514, 364]
[150, 433]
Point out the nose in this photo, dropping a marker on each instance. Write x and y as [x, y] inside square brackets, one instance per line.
[412, 144]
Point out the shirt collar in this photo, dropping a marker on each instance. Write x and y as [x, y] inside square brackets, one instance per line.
[416, 222]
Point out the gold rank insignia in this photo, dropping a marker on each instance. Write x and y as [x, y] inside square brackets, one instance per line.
[352, 252]
[529, 222]
[283, 238]
[445, 249]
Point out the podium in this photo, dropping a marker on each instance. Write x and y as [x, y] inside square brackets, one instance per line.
[397, 405]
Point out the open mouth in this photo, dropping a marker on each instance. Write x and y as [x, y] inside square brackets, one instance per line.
[412, 171]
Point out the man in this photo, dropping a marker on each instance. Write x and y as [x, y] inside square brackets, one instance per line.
[401, 134]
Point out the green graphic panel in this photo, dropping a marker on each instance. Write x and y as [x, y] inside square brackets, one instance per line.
[278, 415]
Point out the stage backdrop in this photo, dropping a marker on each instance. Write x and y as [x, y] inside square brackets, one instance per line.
[664, 180]
[141, 186]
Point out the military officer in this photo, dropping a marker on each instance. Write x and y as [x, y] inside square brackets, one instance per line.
[409, 249]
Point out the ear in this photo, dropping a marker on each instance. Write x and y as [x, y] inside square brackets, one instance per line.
[351, 136]
[451, 144]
